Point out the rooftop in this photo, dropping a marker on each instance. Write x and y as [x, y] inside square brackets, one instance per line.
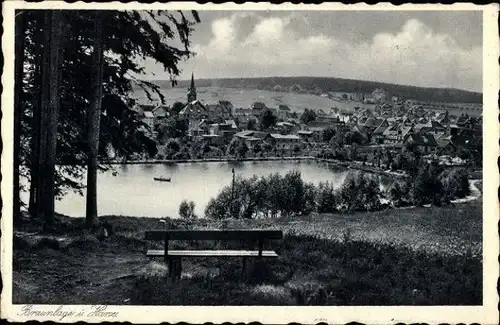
[285, 136]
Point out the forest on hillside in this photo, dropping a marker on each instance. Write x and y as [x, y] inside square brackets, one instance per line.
[324, 85]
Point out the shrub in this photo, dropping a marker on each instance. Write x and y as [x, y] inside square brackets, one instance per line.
[173, 145]
[398, 194]
[360, 192]
[455, 182]
[326, 198]
[269, 196]
[427, 188]
[186, 210]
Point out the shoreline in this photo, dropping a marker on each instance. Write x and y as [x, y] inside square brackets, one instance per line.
[348, 164]
[184, 161]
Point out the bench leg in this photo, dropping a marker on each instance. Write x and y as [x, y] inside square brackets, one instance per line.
[174, 268]
[248, 267]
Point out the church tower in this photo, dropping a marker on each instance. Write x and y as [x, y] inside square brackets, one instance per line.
[191, 96]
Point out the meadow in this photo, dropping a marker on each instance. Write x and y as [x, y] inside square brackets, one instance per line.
[243, 98]
[419, 256]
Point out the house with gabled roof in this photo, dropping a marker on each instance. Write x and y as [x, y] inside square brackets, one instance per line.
[220, 111]
[424, 143]
[320, 112]
[286, 127]
[378, 134]
[443, 118]
[284, 141]
[422, 120]
[283, 112]
[397, 133]
[194, 110]
[251, 138]
[445, 146]
[372, 123]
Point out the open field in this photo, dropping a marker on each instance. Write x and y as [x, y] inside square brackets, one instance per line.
[245, 97]
[332, 84]
[429, 256]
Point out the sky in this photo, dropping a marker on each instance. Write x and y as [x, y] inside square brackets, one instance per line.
[428, 49]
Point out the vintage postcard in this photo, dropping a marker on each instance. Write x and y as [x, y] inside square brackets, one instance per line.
[250, 163]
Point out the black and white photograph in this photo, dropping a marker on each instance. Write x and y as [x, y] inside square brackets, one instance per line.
[288, 156]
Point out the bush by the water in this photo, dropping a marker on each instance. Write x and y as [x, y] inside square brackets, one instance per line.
[284, 195]
[360, 192]
[431, 185]
[186, 210]
[271, 196]
[326, 198]
[455, 182]
[277, 195]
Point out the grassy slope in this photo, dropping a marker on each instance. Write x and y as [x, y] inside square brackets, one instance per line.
[319, 263]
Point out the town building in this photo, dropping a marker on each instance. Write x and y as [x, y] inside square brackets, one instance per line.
[285, 141]
[149, 119]
[252, 138]
[191, 91]
[423, 143]
[258, 106]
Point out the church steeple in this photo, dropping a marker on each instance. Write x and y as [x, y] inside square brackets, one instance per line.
[191, 96]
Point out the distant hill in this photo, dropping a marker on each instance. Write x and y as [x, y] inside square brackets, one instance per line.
[319, 85]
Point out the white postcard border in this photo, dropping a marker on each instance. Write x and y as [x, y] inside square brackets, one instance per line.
[485, 314]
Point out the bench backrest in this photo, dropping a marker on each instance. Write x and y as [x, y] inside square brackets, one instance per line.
[214, 234]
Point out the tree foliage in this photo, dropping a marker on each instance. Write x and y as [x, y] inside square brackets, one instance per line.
[455, 182]
[267, 119]
[186, 210]
[174, 127]
[237, 147]
[359, 192]
[308, 116]
[177, 107]
[128, 37]
[251, 125]
[328, 134]
[426, 187]
[268, 196]
[326, 198]
[277, 195]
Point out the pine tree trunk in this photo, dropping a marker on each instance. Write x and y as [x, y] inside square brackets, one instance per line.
[49, 115]
[18, 89]
[41, 144]
[35, 135]
[93, 122]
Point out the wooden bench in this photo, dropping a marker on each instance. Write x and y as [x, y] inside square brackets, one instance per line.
[173, 257]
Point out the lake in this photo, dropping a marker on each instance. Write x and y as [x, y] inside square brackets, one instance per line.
[133, 192]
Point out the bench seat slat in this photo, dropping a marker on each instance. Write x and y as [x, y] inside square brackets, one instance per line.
[208, 253]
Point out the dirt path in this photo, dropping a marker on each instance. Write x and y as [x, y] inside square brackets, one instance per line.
[88, 276]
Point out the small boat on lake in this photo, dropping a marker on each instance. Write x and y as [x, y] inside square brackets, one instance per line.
[162, 179]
